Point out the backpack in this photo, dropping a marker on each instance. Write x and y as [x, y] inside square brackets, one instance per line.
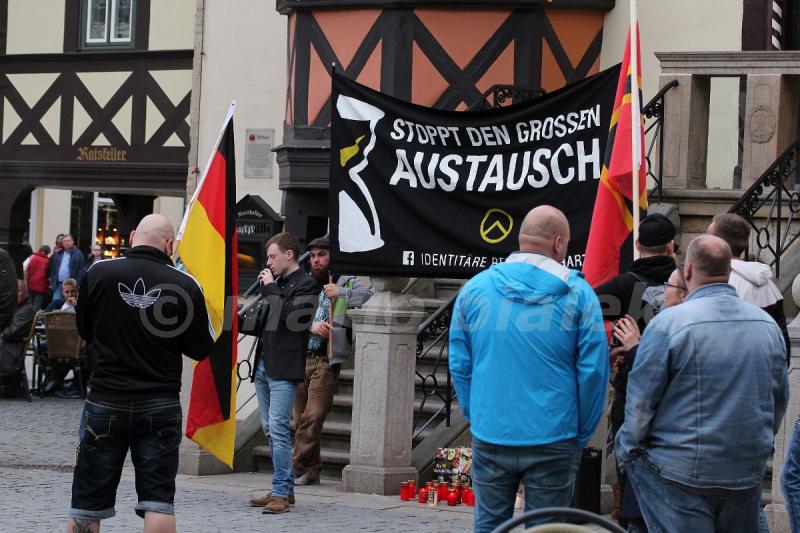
[653, 294]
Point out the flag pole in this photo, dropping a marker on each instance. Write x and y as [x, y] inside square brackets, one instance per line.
[636, 122]
[330, 321]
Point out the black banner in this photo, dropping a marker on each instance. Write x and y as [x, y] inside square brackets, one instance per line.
[416, 191]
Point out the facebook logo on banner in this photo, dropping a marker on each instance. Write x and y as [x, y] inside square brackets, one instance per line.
[408, 258]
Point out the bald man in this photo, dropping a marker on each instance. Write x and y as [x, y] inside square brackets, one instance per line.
[706, 395]
[529, 362]
[138, 315]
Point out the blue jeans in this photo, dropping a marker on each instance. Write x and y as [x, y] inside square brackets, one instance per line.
[152, 431]
[790, 479]
[37, 299]
[275, 401]
[547, 472]
[667, 507]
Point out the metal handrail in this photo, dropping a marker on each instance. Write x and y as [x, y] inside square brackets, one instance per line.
[435, 315]
[433, 334]
[655, 110]
[501, 92]
[659, 95]
[759, 195]
[562, 512]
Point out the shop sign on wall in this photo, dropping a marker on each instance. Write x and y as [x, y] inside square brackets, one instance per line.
[258, 153]
[106, 153]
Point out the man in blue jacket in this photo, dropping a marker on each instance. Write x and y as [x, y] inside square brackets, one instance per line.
[68, 263]
[707, 393]
[529, 361]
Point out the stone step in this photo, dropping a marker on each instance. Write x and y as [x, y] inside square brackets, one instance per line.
[345, 401]
[345, 385]
[328, 456]
[333, 461]
[336, 432]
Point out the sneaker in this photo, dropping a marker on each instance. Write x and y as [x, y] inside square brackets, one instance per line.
[264, 500]
[276, 505]
[305, 479]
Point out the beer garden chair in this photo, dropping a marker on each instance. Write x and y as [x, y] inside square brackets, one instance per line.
[64, 345]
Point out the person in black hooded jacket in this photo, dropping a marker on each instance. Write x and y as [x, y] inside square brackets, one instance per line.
[622, 294]
[8, 289]
[625, 295]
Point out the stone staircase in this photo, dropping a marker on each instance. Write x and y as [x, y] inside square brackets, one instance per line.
[335, 441]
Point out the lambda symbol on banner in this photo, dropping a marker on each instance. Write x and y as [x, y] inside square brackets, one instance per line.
[496, 226]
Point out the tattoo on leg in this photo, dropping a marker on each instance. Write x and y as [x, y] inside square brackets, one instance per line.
[83, 525]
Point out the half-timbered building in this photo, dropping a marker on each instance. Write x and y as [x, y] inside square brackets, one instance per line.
[95, 116]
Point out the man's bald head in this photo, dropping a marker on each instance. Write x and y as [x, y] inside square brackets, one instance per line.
[154, 230]
[545, 230]
[708, 260]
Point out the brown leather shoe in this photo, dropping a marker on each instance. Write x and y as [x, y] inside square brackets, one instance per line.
[264, 500]
[276, 505]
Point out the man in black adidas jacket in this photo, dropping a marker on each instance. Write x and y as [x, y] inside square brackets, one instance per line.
[138, 314]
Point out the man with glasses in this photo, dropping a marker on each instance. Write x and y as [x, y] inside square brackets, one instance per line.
[626, 331]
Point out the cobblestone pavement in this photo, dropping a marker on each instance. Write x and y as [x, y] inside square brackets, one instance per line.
[37, 453]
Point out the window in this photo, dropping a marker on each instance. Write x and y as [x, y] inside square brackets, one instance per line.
[107, 23]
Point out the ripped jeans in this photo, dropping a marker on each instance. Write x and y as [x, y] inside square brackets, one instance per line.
[151, 429]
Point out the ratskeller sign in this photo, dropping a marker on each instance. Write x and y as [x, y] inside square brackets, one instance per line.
[416, 191]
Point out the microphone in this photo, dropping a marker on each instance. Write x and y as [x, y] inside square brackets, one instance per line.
[251, 289]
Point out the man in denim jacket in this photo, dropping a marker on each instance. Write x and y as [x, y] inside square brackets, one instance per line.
[706, 395]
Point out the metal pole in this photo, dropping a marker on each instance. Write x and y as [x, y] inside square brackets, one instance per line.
[778, 239]
[661, 152]
[636, 122]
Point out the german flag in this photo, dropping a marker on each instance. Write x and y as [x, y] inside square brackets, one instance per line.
[612, 221]
[207, 249]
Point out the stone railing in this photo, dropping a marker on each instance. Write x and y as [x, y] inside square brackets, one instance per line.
[770, 110]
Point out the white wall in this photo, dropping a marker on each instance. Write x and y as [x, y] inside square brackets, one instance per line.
[52, 218]
[171, 25]
[251, 69]
[171, 207]
[686, 25]
[46, 16]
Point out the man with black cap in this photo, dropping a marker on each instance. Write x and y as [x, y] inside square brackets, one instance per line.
[314, 397]
[637, 293]
[624, 294]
